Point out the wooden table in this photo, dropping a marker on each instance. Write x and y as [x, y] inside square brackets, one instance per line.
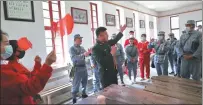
[116, 94]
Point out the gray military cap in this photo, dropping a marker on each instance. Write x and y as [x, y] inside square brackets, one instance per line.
[171, 34]
[77, 36]
[161, 33]
[113, 36]
[190, 22]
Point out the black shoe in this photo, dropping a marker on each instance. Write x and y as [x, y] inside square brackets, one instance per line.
[74, 100]
[171, 73]
[84, 96]
[175, 75]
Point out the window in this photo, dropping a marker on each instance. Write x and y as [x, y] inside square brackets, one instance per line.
[198, 23]
[118, 18]
[174, 25]
[94, 20]
[52, 12]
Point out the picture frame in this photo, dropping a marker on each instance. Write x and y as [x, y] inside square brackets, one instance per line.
[151, 25]
[19, 11]
[129, 22]
[142, 24]
[79, 15]
[110, 20]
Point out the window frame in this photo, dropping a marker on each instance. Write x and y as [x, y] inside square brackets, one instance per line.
[49, 28]
[92, 20]
[119, 17]
[171, 24]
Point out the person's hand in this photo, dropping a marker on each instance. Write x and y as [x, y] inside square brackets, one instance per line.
[88, 52]
[51, 58]
[101, 99]
[38, 59]
[152, 40]
[187, 57]
[122, 28]
[113, 50]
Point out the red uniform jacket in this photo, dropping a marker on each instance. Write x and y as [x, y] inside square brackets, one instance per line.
[127, 42]
[143, 50]
[18, 84]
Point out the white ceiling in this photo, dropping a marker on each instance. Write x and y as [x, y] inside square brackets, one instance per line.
[161, 6]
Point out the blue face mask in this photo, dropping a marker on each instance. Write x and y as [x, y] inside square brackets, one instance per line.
[8, 52]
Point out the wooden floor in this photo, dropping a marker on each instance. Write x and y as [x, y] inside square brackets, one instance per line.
[163, 90]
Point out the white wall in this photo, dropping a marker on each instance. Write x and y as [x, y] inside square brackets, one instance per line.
[34, 31]
[164, 22]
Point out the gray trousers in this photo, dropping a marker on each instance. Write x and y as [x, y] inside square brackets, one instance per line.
[190, 67]
[172, 62]
[80, 76]
[162, 68]
[120, 70]
[132, 67]
[96, 79]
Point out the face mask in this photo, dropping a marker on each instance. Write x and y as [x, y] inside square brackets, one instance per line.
[8, 52]
[188, 29]
[143, 38]
[160, 37]
[21, 55]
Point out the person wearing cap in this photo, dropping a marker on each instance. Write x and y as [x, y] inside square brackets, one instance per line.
[103, 53]
[18, 84]
[131, 35]
[120, 59]
[77, 55]
[160, 59]
[144, 57]
[199, 28]
[190, 51]
[132, 59]
[171, 57]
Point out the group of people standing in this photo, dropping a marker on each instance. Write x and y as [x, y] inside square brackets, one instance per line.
[108, 57]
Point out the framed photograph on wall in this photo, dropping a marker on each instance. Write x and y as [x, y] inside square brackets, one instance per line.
[79, 15]
[110, 20]
[151, 25]
[142, 24]
[129, 22]
[19, 11]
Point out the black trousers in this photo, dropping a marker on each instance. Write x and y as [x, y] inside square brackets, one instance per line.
[108, 78]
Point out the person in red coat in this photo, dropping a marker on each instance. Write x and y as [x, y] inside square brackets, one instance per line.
[144, 57]
[18, 84]
[131, 35]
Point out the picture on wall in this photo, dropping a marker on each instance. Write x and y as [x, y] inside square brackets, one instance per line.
[151, 25]
[142, 24]
[129, 22]
[79, 15]
[19, 11]
[110, 20]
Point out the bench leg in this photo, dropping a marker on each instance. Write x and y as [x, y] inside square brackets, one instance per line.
[49, 99]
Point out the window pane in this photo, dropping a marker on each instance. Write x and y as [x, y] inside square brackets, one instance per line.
[48, 42]
[199, 23]
[45, 5]
[55, 7]
[58, 49]
[174, 22]
[94, 19]
[49, 49]
[176, 33]
[58, 41]
[93, 7]
[46, 13]
[48, 34]
[95, 25]
[47, 22]
[55, 2]
[56, 15]
[55, 20]
[94, 13]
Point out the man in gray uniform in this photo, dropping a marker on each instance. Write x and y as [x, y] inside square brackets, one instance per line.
[120, 59]
[171, 57]
[78, 54]
[132, 59]
[190, 51]
[161, 49]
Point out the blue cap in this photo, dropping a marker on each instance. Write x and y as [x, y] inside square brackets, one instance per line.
[77, 36]
[190, 22]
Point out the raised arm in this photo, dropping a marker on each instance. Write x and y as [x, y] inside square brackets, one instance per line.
[115, 40]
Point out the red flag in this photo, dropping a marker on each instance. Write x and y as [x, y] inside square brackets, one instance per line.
[69, 23]
[24, 43]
